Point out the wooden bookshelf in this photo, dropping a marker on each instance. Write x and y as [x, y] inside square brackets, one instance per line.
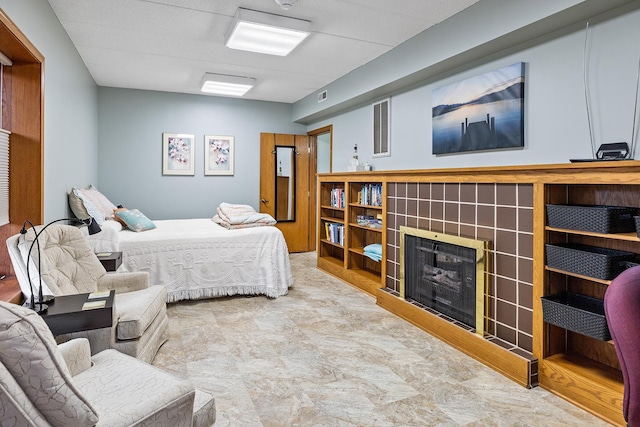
[341, 203]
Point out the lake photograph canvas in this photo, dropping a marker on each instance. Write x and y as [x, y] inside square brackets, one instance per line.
[485, 112]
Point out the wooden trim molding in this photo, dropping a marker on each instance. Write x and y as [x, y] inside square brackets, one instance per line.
[23, 116]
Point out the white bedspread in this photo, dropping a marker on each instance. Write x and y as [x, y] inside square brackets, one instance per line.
[197, 258]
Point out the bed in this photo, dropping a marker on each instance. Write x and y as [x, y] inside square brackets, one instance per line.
[237, 252]
[197, 258]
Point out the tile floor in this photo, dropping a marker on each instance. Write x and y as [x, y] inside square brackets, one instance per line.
[326, 355]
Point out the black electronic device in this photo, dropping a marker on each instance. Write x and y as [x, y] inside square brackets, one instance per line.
[613, 151]
[608, 152]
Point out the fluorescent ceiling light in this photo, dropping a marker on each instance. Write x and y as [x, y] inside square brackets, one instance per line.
[222, 84]
[265, 33]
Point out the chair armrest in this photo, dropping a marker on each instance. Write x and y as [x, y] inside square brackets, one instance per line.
[124, 282]
[76, 354]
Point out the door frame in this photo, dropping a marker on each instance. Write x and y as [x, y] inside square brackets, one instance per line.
[313, 179]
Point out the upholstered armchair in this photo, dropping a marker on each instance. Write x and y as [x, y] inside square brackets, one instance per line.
[43, 384]
[622, 309]
[69, 266]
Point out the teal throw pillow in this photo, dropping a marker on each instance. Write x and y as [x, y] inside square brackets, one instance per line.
[135, 220]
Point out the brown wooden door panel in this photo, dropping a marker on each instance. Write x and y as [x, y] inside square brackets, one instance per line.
[296, 233]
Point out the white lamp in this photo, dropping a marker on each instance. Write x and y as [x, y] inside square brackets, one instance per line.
[222, 84]
[265, 33]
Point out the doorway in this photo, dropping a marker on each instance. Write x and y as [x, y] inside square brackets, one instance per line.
[285, 187]
[288, 182]
[321, 143]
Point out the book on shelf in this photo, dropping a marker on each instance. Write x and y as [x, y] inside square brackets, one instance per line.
[334, 232]
[371, 195]
[337, 197]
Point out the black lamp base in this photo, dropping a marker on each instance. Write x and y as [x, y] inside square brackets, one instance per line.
[48, 298]
[40, 307]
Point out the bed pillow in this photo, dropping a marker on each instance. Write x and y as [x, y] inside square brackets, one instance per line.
[117, 218]
[135, 220]
[86, 202]
[77, 205]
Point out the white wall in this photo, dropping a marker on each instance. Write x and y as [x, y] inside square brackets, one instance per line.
[70, 111]
[130, 151]
[556, 127]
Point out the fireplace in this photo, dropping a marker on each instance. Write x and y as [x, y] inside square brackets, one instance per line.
[445, 273]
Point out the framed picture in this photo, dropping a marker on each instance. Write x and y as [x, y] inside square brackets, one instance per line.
[218, 154]
[485, 112]
[178, 154]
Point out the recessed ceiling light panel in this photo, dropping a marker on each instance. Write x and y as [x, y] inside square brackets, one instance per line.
[265, 33]
[222, 84]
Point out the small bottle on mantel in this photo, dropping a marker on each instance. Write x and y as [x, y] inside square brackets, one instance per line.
[354, 163]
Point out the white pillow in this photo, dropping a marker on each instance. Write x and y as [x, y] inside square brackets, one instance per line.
[95, 203]
[77, 205]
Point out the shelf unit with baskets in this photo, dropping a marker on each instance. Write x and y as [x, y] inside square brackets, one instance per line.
[356, 208]
[581, 259]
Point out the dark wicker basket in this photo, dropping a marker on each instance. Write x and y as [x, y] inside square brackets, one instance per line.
[599, 219]
[576, 313]
[591, 261]
[637, 221]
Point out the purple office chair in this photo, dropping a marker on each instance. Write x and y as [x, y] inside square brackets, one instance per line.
[622, 308]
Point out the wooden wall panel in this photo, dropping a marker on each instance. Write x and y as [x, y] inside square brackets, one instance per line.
[23, 116]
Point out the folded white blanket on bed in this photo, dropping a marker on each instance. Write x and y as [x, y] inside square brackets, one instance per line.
[233, 216]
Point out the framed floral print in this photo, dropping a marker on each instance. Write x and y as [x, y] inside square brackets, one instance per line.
[218, 154]
[178, 154]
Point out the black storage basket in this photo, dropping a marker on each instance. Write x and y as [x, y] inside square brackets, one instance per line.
[576, 313]
[590, 261]
[599, 219]
[637, 221]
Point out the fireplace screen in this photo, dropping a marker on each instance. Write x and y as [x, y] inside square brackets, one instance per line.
[445, 273]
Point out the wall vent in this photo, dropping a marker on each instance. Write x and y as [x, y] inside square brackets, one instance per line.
[322, 96]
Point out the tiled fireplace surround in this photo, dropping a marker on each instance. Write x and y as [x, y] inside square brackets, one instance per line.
[500, 213]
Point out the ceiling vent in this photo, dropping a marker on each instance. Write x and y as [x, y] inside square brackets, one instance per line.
[322, 96]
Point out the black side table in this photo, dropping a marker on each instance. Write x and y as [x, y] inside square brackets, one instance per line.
[66, 314]
[110, 260]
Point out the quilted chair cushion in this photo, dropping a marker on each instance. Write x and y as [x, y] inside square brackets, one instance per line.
[30, 354]
[161, 399]
[15, 407]
[137, 310]
[68, 264]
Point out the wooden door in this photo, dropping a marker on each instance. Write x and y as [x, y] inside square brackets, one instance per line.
[296, 230]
